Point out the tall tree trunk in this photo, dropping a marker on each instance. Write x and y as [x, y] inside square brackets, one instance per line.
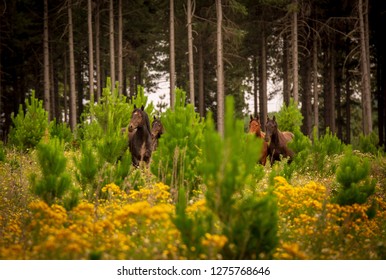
[365, 67]
[201, 99]
[263, 78]
[120, 51]
[72, 69]
[172, 54]
[220, 71]
[79, 84]
[65, 87]
[295, 52]
[315, 82]
[306, 109]
[255, 84]
[112, 48]
[90, 51]
[286, 71]
[348, 106]
[329, 88]
[47, 101]
[55, 93]
[339, 115]
[53, 107]
[97, 52]
[190, 12]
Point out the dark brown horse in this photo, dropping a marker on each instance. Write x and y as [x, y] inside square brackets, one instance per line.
[157, 130]
[255, 128]
[277, 141]
[140, 137]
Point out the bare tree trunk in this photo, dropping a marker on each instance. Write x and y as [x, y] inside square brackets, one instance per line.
[348, 106]
[65, 92]
[120, 51]
[365, 67]
[47, 101]
[201, 99]
[90, 51]
[111, 39]
[190, 12]
[255, 84]
[220, 72]
[329, 88]
[263, 78]
[97, 52]
[315, 82]
[53, 97]
[286, 71]
[295, 53]
[306, 109]
[172, 55]
[72, 69]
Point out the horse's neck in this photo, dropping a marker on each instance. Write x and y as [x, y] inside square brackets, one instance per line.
[281, 137]
[276, 137]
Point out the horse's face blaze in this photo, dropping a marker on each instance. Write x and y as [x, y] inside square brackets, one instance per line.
[270, 129]
[136, 121]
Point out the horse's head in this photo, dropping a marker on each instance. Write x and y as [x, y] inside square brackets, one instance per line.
[254, 126]
[137, 118]
[270, 129]
[157, 128]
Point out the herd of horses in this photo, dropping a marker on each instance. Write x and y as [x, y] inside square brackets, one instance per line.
[143, 138]
[275, 142]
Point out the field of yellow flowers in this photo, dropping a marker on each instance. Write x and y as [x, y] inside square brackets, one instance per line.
[138, 224]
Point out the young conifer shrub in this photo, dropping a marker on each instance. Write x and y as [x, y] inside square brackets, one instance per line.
[322, 151]
[178, 155]
[248, 219]
[289, 118]
[355, 183]
[368, 143]
[61, 131]
[87, 165]
[29, 127]
[54, 181]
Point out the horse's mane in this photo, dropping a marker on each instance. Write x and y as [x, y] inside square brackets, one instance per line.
[147, 121]
[146, 117]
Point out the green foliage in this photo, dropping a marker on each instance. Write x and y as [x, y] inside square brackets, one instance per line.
[354, 179]
[29, 128]
[192, 228]
[61, 131]
[328, 144]
[54, 182]
[87, 165]
[228, 166]
[368, 143]
[2, 151]
[289, 118]
[323, 149]
[113, 109]
[177, 157]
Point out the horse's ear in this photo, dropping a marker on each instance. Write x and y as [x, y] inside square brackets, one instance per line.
[135, 106]
[154, 117]
[251, 117]
[274, 119]
[257, 117]
[142, 108]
